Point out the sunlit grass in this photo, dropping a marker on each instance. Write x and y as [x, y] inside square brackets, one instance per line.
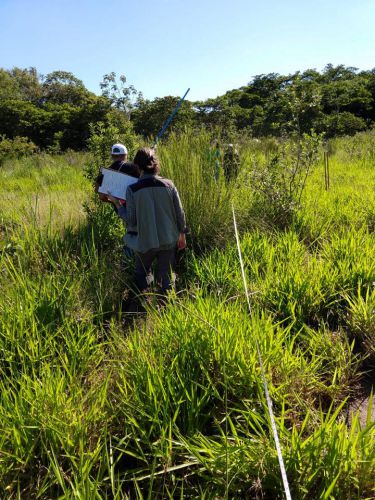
[95, 405]
[350, 200]
[50, 189]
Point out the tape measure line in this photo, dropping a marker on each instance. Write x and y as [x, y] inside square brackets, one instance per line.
[267, 394]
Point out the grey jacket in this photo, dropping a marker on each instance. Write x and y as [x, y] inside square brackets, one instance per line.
[154, 215]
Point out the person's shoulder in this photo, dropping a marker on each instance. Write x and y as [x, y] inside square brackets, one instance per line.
[141, 183]
[130, 169]
[166, 182]
[116, 165]
[154, 181]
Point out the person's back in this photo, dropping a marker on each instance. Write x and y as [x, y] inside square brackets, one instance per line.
[158, 219]
[231, 162]
[155, 222]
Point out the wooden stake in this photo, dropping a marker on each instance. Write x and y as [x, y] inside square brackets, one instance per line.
[326, 170]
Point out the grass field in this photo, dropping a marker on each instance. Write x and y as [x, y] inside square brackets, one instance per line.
[171, 404]
[48, 189]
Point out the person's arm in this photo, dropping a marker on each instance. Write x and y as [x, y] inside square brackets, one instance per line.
[119, 205]
[181, 219]
[181, 242]
[98, 181]
[97, 184]
[131, 214]
[125, 211]
[102, 196]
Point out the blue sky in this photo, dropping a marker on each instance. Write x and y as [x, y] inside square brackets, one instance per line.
[166, 46]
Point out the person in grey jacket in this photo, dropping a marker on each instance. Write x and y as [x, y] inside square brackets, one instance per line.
[155, 222]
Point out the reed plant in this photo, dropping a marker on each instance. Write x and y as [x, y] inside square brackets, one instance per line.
[186, 160]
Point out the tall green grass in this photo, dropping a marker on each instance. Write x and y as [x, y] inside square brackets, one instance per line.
[93, 405]
[297, 282]
[43, 187]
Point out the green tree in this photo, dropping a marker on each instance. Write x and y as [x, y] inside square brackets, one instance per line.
[304, 102]
[8, 86]
[53, 114]
[121, 96]
[149, 116]
[62, 87]
[28, 83]
[344, 123]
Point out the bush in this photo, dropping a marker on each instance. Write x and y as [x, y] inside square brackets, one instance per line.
[344, 124]
[15, 148]
[279, 180]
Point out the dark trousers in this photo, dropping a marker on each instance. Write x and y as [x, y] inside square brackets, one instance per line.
[143, 275]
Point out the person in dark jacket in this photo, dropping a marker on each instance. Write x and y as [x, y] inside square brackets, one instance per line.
[155, 222]
[231, 162]
[119, 155]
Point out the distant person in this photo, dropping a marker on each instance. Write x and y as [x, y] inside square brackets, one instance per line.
[119, 155]
[155, 222]
[214, 158]
[231, 162]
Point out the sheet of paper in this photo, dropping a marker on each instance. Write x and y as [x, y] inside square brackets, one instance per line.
[115, 183]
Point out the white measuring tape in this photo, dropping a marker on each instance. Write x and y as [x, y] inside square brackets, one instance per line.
[268, 397]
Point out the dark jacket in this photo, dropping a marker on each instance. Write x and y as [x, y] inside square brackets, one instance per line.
[121, 166]
[154, 215]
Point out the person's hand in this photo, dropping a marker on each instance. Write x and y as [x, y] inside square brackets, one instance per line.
[103, 197]
[181, 243]
[113, 200]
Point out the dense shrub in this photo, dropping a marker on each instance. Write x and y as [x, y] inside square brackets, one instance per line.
[278, 179]
[15, 148]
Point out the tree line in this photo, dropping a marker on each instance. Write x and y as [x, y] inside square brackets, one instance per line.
[54, 111]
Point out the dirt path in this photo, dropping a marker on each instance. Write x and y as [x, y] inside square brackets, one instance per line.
[361, 405]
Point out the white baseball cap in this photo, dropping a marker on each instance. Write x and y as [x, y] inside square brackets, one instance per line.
[119, 149]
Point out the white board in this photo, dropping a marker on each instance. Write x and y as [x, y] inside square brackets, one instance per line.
[115, 182]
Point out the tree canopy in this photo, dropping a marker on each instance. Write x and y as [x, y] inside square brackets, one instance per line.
[53, 111]
[56, 110]
[339, 100]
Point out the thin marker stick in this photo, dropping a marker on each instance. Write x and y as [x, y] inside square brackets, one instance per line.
[164, 127]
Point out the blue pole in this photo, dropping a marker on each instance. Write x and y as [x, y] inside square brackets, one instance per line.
[171, 117]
